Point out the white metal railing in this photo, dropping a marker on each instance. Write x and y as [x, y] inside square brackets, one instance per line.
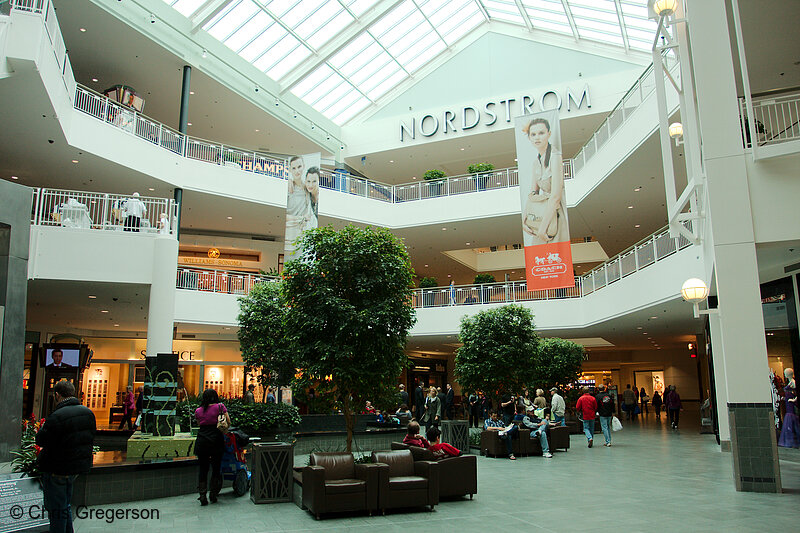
[224, 281]
[654, 248]
[777, 119]
[639, 91]
[103, 211]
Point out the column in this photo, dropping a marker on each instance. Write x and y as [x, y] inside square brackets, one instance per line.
[183, 122]
[720, 386]
[161, 309]
[738, 340]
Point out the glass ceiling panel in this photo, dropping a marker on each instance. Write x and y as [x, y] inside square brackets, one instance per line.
[280, 36]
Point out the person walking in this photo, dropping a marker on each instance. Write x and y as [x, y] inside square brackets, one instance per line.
[644, 399]
[433, 409]
[402, 396]
[419, 400]
[129, 407]
[674, 406]
[557, 406]
[66, 439]
[586, 408]
[629, 403]
[605, 411]
[657, 405]
[449, 404]
[249, 396]
[472, 409]
[210, 445]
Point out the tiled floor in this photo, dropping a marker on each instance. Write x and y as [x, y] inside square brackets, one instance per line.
[651, 479]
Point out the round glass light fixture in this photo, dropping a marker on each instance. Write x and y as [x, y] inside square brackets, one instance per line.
[664, 8]
[675, 130]
[694, 290]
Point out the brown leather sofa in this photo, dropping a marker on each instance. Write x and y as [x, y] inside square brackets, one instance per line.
[405, 482]
[458, 476]
[523, 444]
[332, 482]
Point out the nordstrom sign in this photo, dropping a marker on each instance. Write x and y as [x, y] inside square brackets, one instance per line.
[490, 113]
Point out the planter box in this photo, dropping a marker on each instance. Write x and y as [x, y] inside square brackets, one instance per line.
[456, 434]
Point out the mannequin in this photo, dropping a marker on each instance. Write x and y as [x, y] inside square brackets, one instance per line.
[790, 434]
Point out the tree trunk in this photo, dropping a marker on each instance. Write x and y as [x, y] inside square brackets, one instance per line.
[349, 421]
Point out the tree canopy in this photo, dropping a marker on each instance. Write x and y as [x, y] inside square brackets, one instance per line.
[261, 335]
[498, 352]
[349, 312]
[558, 362]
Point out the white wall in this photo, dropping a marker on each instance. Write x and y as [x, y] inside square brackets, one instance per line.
[774, 186]
[195, 307]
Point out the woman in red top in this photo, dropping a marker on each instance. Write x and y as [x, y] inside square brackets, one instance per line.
[587, 407]
[210, 444]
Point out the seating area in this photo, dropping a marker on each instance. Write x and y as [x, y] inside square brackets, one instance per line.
[404, 477]
[522, 443]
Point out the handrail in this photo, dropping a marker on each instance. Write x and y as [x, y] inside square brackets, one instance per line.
[777, 119]
[220, 281]
[103, 211]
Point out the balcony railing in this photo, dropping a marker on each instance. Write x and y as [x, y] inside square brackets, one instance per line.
[777, 119]
[103, 211]
[222, 281]
[639, 256]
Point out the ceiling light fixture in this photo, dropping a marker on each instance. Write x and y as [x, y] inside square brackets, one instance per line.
[444, 229]
[116, 325]
[188, 123]
[150, 189]
[230, 218]
[191, 92]
[95, 80]
[74, 160]
[92, 297]
[14, 178]
[638, 226]
[630, 207]
[391, 161]
[466, 243]
[104, 310]
[83, 30]
[637, 189]
[204, 54]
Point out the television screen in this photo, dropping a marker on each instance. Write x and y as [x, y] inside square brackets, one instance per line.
[65, 358]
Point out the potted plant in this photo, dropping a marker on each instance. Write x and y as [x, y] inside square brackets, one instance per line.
[25, 458]
[482, 279]
[436, 177]
[482, 171]
[428, 297]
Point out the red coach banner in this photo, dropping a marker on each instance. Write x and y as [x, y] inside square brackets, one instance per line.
[545, 228]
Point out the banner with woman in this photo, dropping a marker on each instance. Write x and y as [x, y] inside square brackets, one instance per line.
[545, 230]
[302, 199]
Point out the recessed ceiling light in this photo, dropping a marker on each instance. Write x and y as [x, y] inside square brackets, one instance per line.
[257, 131]
[426, 265]
[515, 160]
[653, 317]
[150, 189]
[640, 327]
[14, 177]
[230, 218]
[630, 207]
[74, 160]
[83, 30]
[644, 333]
[414, 178]
[92, 297]
[444, 229]
[637, 189]
[191, 92]
[462, 149]
[116, 325]
[466, 243]
[391, 161]
[449, 275]
[637, 226]
[104, 311]
[188, 123]
[95, 80]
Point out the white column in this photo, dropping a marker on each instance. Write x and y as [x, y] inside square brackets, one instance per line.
[720, 384]
[161, 310]
[740, 343]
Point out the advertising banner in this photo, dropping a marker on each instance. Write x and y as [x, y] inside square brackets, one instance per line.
[302, 198]
[545, 231]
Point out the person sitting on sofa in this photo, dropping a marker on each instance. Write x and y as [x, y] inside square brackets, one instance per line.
[538, 427]
[413, 438]
[440, 450]
[403, 410]
[493, 423]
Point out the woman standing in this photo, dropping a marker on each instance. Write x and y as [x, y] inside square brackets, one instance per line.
[657, 404]
[540, 402]
[210, 444]
[129, 406]
[644, 399]
[790, 433]
[433, 409]
[544, 217]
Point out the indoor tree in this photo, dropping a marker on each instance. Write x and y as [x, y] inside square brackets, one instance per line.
[262, 338]
[349, 313]
[498, 352]
[558, 362]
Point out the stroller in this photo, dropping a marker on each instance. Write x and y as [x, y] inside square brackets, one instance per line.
[234, 461]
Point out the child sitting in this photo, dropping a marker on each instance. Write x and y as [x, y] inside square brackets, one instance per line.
[413, 438]
[440, 450]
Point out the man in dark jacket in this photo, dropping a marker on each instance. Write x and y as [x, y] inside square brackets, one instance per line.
[66, 440]
[419, 400]
[403, 396]
[449, 404]
[605, 410]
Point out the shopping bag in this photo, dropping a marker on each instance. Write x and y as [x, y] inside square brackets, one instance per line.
[616, 425]
[138, 421]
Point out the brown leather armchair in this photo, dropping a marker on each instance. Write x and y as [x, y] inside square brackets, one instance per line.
[458, 476]
[405, 482]
[332, 482]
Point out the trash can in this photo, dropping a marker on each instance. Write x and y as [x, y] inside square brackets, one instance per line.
[271, 474]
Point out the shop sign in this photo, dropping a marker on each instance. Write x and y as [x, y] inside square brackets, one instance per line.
[210, 261]
[183, 355]
[492, 112]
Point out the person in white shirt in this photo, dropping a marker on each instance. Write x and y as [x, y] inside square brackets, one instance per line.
[134, 211]
[557, 406]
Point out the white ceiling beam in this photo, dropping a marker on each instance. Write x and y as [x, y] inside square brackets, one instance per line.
[317, 58]
[483, 10]
[622, 27]
[208, 11]
[524, 15]
[570, 18]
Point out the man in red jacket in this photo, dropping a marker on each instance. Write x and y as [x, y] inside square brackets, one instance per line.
[586, 408]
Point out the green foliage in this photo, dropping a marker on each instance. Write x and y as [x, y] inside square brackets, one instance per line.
[483, 278]
[498, 352]
[24, 459]
[558, 362]
[475, 168]
[262, 336]
[433, 174]
[427, 283]
[251, 418]
[349, 312]
[475, 438]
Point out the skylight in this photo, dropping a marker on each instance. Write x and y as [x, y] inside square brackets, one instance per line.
[341, 56]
